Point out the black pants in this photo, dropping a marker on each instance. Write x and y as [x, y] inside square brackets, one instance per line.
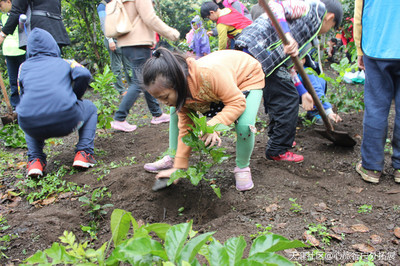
[281, 101]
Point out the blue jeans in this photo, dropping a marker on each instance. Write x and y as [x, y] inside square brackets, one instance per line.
[137, 55]
[382, 85]
[119, 64]
[86, 124]
[13, 63]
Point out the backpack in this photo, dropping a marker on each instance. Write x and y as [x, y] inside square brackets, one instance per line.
[117, 22]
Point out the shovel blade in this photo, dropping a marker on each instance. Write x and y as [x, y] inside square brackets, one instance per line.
[9, 118]
[339, 138]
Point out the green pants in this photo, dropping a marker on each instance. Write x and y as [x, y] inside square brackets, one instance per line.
[245, 138]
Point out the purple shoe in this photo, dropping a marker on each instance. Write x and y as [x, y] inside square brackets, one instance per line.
[243, 179]
[165, 163]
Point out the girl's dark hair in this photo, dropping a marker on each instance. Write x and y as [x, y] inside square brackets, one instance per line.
[173, 67]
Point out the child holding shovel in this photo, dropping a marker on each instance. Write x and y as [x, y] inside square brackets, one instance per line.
[189, 85]
[301, 22]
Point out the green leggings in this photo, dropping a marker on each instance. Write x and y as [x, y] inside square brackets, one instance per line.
[245, 138]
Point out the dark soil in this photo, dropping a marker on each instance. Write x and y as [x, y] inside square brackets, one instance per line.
[325, 185]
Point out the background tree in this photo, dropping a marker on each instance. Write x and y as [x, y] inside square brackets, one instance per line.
[83, 27]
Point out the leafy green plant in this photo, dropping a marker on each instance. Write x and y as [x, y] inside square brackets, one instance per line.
[91, 229]
[365, 208]
[5, 239]
[362, 262]
[50, 184]
[295, 206]
[163, 244]
[208, 156]
[8, 161]
[321, 231]
[95, 208]
[261, 231]
[108, 97]
[13, 136]
[340, 96]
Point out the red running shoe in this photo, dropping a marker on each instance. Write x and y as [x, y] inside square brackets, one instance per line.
[287, 157]
[35, 168]
[84, 160]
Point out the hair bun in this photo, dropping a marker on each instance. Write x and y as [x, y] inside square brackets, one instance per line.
[156, 53]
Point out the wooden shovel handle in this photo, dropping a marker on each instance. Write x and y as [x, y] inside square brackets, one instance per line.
[298, 65]
[5, 95]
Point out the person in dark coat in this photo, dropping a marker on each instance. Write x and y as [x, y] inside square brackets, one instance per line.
[51, 105]
[46, 14]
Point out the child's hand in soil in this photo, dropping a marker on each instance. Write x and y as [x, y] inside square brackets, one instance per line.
[335, 117]
[166, 173]
[211, 139]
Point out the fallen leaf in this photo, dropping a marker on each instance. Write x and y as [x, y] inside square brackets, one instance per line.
[271, 208]
[357, 136]
[39, 203]
[14, 202]
[366, 248]
[320, 207]
[342, 230]
[292, 252]
[375, 239]
[397, 232]
[395, 241]
[281, 225]
[335, 236]
[360, 228]
[65, 195]
[356, 190]
[310, 239]
[21, 165]
[320, 219]
[48, 201]
[393, 191]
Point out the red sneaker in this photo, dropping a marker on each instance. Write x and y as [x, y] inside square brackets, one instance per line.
[35, 168]
[84, 160]
[287, 157]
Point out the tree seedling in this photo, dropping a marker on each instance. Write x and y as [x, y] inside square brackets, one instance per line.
[208, 156]
[95, 208]
[365, 208]
[295, 206]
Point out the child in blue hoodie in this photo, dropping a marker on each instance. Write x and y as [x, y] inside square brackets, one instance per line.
[51, 105]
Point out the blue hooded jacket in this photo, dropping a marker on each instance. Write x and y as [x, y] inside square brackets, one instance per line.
[49, 85]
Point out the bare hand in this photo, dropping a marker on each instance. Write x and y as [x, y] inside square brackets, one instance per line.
[209, 33]
[360, 61]
[292, 48]
[335, 117]
[307, 102]
[211, 139]
[166, 173]
[112, 46]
